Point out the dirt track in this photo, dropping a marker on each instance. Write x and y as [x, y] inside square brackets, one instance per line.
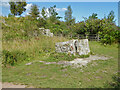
[11, 85]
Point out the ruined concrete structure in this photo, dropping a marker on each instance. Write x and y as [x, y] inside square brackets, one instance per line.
[46, 32]
[74, 46]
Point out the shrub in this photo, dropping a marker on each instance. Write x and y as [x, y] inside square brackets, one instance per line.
[23, 28]
[109, 33]
[41, 22]
[12, 57]
[116, 81]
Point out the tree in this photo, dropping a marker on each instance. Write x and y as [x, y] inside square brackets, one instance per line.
[17, 7]
[92, 24]
[68, 16]
[94, 16]
[41, 22]
[111, 17]
[43, 13]
[34, 13]
[53, 14]
[80, 27]
[109, 33]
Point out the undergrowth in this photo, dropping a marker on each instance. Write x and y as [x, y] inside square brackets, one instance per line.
[12, 57]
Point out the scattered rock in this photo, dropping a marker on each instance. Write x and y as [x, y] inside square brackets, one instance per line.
[43, 76]
[41, 61]
[98, 77]
[78, 62]
[28, 74]
[46, 32]
[64, 70]
[29, 63]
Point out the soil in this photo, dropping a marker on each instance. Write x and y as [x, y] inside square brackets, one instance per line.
[11, 85]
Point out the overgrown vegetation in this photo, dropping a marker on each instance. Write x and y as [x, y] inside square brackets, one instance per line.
[13, 57]
[23, 42]
[28, 25]
[35, 48]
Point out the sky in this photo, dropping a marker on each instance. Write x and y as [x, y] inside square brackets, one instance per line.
[80, 9]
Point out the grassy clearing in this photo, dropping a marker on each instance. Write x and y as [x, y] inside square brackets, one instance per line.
[96, 74]
[108, 50]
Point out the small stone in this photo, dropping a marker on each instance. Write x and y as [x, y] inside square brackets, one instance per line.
[41, 61]
[29, 63]
[46, 32]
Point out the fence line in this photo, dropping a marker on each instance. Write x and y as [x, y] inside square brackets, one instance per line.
[91, 37]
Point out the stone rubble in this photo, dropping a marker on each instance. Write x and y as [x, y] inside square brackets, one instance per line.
[46, 32]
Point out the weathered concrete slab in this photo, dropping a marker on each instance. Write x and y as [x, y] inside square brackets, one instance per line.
[73, 46]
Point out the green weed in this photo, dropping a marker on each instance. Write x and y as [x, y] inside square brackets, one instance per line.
[13, 57]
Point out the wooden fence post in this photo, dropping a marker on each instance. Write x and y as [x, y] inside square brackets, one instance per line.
[97, 37]
[78, 36]
[86, 36]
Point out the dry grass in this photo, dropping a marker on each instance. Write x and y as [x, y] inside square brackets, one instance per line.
[35, 47]
[27, 45]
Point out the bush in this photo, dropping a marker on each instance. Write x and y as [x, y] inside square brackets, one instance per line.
[41, 22]
[116, 82]
[12, 57]
[109, 37]
[109, 33]
[23, 27]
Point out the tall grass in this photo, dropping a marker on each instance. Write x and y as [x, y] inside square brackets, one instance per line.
[35, 42]
[35, 48]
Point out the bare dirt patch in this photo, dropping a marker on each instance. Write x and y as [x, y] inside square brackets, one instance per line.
[11, 85]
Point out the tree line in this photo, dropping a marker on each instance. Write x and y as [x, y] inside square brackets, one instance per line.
[105, 27]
